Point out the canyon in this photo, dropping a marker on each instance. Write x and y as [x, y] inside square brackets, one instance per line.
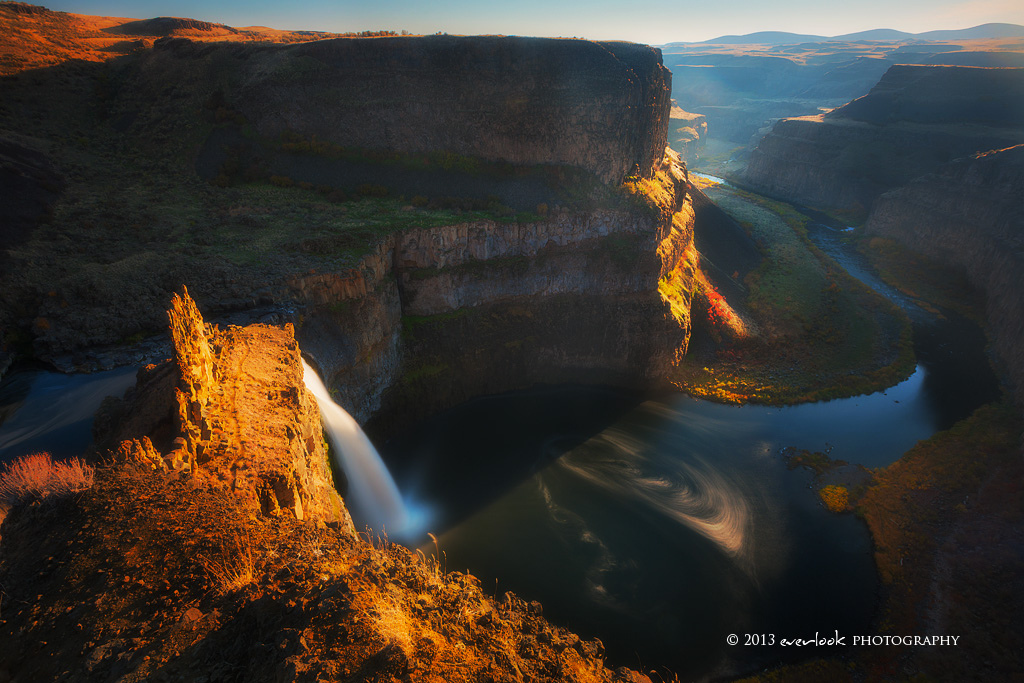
[968, 214]
[426, 221]
[929, 158]
[744, 85]
[215, 463]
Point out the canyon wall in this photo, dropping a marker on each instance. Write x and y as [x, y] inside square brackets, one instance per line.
[405, 299]
[603, 107]
[970, 214]
[437, 315]
[916, 119]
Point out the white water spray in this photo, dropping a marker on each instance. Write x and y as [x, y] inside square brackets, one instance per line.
[372, 493]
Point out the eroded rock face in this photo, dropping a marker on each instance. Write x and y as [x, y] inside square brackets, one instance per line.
[915, 120]
[915, 93]
[439, 315]
[603, 107]
[971, 215]
[231, 412]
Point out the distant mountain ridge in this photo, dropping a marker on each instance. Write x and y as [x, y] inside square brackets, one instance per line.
[983, 31]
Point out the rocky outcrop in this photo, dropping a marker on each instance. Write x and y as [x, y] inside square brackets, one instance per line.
[230, 411]
[603, 107]
[916, 119]
[970, 215]
[145, 574]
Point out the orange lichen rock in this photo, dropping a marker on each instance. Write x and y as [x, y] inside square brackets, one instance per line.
[245, 419]
[195, 362]
[140, 452]
[231, 411]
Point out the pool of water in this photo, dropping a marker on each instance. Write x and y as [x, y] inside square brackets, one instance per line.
[659, 524]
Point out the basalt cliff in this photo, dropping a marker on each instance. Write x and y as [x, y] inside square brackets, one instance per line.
[435, 316]
[970, 215]
[914, 120]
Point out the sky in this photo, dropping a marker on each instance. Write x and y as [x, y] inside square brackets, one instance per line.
[655, 22]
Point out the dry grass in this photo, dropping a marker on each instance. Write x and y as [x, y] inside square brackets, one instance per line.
[235, 569]
[391, 619]
[37, 476]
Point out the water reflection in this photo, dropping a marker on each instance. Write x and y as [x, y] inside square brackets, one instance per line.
[48, 411]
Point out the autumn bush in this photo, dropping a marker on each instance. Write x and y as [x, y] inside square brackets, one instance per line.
[37, 476]
[835, 498]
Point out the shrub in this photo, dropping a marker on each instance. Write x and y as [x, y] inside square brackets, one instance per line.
[835, 498]
[281, 181]
[37, 476]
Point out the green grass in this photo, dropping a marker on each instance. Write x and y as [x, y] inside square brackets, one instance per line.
[823, 334]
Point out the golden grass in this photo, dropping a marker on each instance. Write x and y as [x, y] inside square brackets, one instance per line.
[391, 619]
[37, 476]
[236, 569]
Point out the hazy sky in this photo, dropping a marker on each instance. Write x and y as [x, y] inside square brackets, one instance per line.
[660, 21]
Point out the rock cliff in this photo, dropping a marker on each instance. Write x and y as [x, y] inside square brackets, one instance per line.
[916, 119]
[603, 107]
[687, 133]
[405, 301]
[941, 94]
[437, 315]
[970, 214]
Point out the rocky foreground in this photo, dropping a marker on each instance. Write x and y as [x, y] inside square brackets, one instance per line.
[212, 547]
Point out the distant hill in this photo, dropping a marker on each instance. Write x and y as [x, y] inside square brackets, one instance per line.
[767, 38]
[984, 31]
[875, 34]
[976, 32]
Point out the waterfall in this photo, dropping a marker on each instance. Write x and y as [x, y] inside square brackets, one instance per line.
[373, 497]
